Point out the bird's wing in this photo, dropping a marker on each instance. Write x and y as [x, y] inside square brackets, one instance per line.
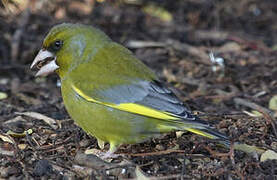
[151, 99]
[145, 98]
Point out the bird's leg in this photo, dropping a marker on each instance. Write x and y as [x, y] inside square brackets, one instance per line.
[110, 153]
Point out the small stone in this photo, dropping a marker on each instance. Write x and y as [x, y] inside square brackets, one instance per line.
[9, 171]
[4, 81]
[42, 167]
[159, 147]
[22, 146]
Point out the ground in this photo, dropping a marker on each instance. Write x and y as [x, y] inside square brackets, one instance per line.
[231, 90]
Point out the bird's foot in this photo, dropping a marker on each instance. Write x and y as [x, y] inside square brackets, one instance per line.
[104, 155]
[108, 155]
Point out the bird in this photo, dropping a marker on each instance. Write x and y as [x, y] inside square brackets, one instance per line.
[110, 93]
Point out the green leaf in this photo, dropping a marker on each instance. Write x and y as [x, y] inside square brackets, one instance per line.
[158, 12]
[273, 103]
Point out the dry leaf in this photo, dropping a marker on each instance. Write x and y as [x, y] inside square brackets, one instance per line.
[46, 119]
[6, 138]
[248, 149]
[268, 155]
[22, 146]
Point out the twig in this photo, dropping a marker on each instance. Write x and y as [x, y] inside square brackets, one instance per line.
[183, 172]
[215, 36]
[257, 165]
[218, 172]
[214, 153]
[222, 97]
[237, 171]
[201, 55]
[155, 153]
[256, 45]
[144, 44]
[50, 147]
[173, 176]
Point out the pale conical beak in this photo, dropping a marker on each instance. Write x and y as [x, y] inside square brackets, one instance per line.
[46, 62]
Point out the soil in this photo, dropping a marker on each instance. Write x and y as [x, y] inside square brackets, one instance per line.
[230, 90]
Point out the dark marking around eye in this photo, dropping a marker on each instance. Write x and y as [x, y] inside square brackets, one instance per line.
[55, 46]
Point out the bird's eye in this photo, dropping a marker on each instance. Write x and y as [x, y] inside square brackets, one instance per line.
[57, 45]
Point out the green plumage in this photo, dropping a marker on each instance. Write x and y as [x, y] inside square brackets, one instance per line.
[98, 75]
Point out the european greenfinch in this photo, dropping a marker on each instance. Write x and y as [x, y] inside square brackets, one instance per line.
[109, 92]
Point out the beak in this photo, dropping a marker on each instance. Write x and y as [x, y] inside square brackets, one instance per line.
[46, 62]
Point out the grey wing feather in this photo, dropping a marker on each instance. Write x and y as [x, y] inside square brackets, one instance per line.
[124, 93]
[151, 94]
[161, 98]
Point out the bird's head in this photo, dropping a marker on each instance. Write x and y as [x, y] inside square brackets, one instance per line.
[66, 46]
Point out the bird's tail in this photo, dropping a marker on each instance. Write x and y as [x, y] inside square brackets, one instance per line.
[200, 127]
[212, 134]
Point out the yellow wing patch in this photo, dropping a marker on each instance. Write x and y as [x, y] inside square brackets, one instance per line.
[199, 132]
[130, 107]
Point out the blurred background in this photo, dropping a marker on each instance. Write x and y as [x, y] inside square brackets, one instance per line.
[219, 55]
